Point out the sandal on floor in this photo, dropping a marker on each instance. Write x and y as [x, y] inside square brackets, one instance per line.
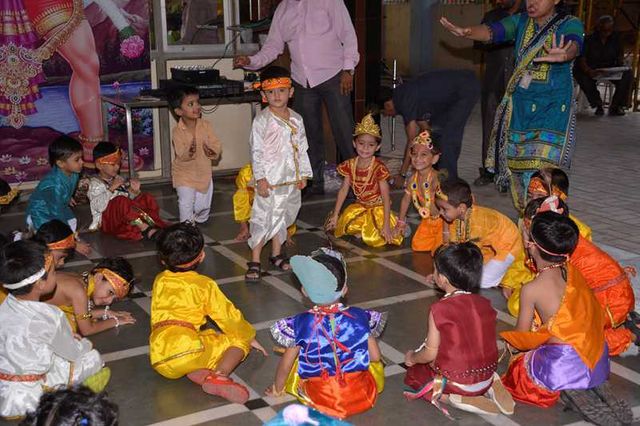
[226, 388]
[633, 326]
[280, 261]
[253, 272]
[198, 377]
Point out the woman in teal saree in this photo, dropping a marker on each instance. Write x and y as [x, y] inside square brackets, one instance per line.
[534, 125]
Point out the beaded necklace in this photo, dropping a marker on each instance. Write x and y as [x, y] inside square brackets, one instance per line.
[422, 202]
[548, 267]
[359, 189]
[455, 293]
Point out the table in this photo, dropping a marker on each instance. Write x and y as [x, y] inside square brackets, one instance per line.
[130, 102]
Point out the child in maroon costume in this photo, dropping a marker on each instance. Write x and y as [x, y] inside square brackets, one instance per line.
[457, 361]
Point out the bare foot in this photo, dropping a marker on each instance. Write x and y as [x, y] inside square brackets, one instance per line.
[243, 234]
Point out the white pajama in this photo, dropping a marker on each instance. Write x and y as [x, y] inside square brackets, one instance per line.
[194, 206]
[493, 271]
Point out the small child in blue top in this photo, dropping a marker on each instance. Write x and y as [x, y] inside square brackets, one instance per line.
[52, 197]
[332, 360]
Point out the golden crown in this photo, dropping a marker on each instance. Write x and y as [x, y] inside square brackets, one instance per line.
[424, 138]
[368, 126]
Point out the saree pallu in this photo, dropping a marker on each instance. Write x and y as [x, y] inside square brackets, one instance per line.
[535, 122]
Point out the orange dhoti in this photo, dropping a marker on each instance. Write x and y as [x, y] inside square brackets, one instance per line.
[428, 236]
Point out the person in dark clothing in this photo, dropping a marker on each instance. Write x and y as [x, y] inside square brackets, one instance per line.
[441, 100]
[498, 60]
[603, 49]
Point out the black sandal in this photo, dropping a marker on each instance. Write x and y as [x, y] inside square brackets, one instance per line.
[253, 273]
[632, 324]
[280, 261]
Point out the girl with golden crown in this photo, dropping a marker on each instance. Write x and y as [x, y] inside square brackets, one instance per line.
[370, 216]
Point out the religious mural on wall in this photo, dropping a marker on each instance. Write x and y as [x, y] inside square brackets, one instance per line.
[56, 58]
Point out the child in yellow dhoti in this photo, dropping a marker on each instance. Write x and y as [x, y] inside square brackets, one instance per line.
[242, 202]
[496, 235]
[370, 217]
[181, 302]
[421, 190]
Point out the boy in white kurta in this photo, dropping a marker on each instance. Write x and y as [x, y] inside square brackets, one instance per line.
[37, 347]
[281, 168]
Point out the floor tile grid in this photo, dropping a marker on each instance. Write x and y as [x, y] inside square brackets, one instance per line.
[392, 356]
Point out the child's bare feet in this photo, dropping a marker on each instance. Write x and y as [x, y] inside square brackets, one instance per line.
[225, 387]
[243, 233]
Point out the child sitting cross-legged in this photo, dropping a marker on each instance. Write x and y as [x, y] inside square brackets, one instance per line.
[332, 360]
[457, 361]
[38, 350]
[119, 207]
[560, 328]
[370, 217]
[76, 295]
[495, 234]
[182, 300]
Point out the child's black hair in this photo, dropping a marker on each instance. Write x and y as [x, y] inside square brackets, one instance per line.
[553, 177]
[104, 148]
[72, 407]
[435, 146]
[461, 264]
[274, 72]
[53, 231]
[457, 191]
[177, 94]
[554, 233]
[62, 148]
[179, 244]
[335, 266]
[533, 206]
[20, 260]
[119, 265]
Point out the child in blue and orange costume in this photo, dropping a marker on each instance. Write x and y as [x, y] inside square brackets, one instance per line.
[332, 360]
[495, 234]
[181, 302]
[52, 198]
[457, 361]
[370, 217]
[544, 183]
[421, 190]
[243, 200]
[609, 281]
[560, 325]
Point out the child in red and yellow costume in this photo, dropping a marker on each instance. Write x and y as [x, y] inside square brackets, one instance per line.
[370, 217]
[607, 279]
[457, 361]
[560, 324]
[421, 190]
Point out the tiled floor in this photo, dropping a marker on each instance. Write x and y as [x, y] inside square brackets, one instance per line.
[605, 194]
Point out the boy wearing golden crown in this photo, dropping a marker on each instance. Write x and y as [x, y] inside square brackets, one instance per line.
[370, 216]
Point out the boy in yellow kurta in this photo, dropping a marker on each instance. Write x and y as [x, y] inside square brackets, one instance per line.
[496, 235]
[182, 299]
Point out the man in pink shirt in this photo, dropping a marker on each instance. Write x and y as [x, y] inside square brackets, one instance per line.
[324, 52]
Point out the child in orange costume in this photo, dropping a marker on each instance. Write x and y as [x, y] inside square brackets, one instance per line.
[422, 191]
[608, 280]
